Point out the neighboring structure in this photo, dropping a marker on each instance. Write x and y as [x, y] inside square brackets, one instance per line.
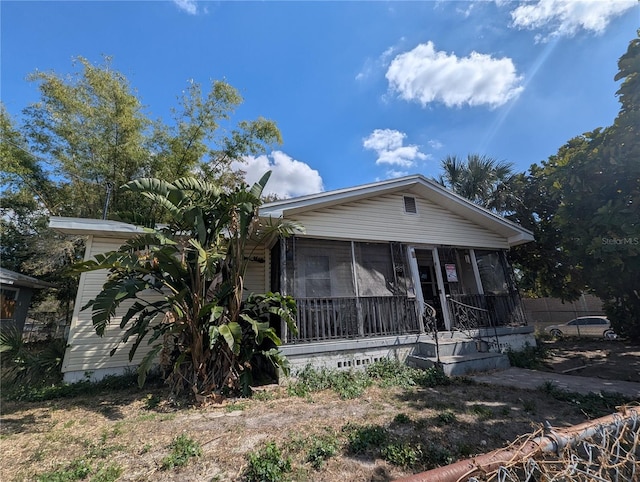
[16, 291]
[372, 261]
[542, 312]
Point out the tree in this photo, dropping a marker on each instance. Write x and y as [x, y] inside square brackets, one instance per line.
[89, 134]
[481, 179]
[587, 221]
[196, 265]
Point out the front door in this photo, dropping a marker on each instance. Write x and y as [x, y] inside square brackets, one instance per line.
[431, 283]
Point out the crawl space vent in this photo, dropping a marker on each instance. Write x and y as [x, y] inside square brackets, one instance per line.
[410, 205]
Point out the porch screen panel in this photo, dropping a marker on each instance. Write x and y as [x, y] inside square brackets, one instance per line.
[492, 272]
[374, 270]
[323, 269]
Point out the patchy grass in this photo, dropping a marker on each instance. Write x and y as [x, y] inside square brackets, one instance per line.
[403, 421]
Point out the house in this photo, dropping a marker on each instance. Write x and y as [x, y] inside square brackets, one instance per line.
[400, 268]
[16, 290]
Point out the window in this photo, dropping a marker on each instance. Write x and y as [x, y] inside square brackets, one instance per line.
[318, 276]
[374, 269]
[8, 299]
[492, 273]
[323, 269]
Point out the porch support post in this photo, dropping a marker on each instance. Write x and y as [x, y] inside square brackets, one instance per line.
[415, 275]
[354, 267]
[476, 271]
[443, 296]
[284, 330]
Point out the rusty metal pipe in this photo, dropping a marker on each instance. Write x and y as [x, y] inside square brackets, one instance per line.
[486, 463]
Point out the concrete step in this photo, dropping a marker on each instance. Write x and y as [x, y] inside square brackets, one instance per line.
[450, 347]
[457, 365]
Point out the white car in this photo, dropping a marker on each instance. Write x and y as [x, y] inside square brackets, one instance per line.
[584, 326]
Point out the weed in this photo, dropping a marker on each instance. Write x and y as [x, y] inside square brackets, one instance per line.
[364, 438]
[264, 395]
[482, 411]
[347, 385]
[529, 406]
[235, 407]
[531, 357]
[145, 448]
[593, 405]
[78, 469]
[182, 449]
[465, 451]
[151, 401]
[436, 456]
[35, 393]
[403, 455]
[68, 423]
[107, 473]
[447, 417]
[402, 418]
[267, 465]
[322, 448]
[432, 377]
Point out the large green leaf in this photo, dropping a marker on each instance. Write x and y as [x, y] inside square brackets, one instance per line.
[232, 334]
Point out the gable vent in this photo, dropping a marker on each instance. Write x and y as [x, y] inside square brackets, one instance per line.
[410, 205]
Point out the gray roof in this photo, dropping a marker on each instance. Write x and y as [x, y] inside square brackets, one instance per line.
[8, 277]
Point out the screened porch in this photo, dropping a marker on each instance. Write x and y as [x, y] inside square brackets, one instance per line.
[352, 289]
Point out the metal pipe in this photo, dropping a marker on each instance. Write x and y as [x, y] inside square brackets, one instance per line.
[553, 441]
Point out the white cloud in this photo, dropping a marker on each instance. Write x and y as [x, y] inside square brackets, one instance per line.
[436, 144]
[565, 18]
[372, 66]
[189, 6]
[389, 146]
[289, 178]
[425, 75]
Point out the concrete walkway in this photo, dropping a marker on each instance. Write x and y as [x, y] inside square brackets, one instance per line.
[533, 379]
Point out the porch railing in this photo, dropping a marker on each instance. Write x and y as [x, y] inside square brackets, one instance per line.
[487, 310]
[321, 319]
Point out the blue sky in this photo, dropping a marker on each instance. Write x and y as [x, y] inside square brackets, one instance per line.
[361, 91]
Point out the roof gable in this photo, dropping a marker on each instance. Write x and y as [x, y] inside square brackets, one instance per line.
[417, 185]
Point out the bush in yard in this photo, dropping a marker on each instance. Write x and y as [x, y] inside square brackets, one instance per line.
[267, 465]
[209, 338]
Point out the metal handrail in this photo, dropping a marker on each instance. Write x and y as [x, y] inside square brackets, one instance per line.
[431, 324]
[465, 315]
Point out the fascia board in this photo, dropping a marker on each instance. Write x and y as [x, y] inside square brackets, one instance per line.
[98, 227]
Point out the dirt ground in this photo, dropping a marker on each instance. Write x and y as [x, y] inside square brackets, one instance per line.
[130, 431]
[607, 359]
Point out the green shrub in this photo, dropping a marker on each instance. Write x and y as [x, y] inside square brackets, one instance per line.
[347, 384]
[447, 417]
[267, 465]
[364, 438]
[593, 405]
[322, 448]
[78, 469]
[531, 357]
[482, 411]
[402, 454]
[402, 418]
[183, 448]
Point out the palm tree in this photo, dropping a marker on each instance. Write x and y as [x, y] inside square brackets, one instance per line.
[209, 337]
[481, 179]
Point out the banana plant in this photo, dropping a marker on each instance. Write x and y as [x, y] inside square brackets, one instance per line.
[195, 264]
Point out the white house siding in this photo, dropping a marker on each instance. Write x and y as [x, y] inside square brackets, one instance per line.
[87, 353]
[256, 277]
[384, 219]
